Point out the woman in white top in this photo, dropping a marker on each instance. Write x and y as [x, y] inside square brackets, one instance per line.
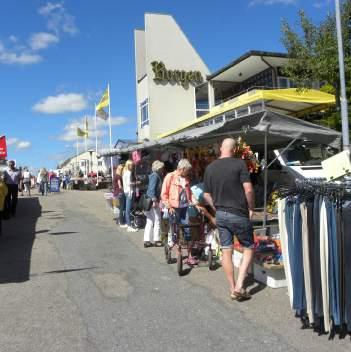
[128, 192]
[26, 181]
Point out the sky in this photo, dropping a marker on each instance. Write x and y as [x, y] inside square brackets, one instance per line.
[57, 57]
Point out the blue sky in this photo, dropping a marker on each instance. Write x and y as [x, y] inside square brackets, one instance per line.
[56, 59]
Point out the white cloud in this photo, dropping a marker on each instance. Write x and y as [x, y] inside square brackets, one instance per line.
[70, 130]
[21, 56]
[23, 145]
[273, 2]
[18, 144]
[42, 40]
[71, 102]
[59, 20]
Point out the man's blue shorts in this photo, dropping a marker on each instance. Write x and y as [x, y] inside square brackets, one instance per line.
[229, 224]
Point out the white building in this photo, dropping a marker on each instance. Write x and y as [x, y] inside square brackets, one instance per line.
[86, 162]
[167, 70]
[175, 90]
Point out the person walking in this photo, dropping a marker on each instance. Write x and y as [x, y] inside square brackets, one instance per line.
[119, 194]
[153, 216]
[3, 194]
[12, 178]
[43, 183]
[176, 196]
[128, 186]
[27, 180]
[21, 185]
[228, 190]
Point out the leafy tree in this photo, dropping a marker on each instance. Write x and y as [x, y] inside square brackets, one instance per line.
[313, 55]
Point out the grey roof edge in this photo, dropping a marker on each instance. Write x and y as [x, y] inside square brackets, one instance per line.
[245, 56]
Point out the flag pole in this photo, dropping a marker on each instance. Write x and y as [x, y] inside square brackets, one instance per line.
[96, 151]
[109, 120]
[86, 133]
[77, 167]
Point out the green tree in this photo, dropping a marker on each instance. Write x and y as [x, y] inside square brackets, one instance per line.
[313, 55]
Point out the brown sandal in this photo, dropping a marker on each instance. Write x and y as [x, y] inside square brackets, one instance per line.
[240, 296]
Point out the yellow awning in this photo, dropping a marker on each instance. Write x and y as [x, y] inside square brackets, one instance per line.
[293, 102]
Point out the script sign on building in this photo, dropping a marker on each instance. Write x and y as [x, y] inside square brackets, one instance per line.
[179, 76]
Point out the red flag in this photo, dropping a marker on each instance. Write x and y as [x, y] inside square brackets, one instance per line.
[3, 148]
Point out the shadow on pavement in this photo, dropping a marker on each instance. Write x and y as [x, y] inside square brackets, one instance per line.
[256, 289]
[69, 270]
[41, 231]
[61, 233]
[17, 241]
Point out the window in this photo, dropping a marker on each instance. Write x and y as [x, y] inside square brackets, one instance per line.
[82, 163]
[285, 82]
[144, 113]
[99, 163]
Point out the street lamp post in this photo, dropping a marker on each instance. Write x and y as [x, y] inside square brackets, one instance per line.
[343, 100]
[91, 160]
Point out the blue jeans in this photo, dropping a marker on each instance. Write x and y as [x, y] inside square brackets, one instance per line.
[346, 233]
[44, 188]
[333, 264]
[129, 203]
[122, 206]
[293, 225]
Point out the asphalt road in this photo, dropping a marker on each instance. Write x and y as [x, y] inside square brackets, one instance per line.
[71, 281]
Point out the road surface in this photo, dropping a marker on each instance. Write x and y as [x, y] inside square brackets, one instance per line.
[72, 281]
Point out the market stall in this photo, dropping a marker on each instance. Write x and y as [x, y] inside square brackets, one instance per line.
[259, 133]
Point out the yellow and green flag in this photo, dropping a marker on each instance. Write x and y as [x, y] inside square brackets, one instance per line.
[104, 102]
[81, 133]
[102, 114]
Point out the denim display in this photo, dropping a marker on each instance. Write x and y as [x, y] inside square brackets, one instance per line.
[315, 232]
[346, 216]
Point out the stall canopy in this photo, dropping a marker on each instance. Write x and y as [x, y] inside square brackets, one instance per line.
[292, 102]
[279, 130]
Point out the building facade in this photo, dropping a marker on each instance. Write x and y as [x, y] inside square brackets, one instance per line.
[86, 162]
[168, 69]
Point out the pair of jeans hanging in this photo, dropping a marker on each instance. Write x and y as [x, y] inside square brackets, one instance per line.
[346, 219]
[333, 264]
[306, 261]
[293, 224]
[285, 246]
[318, 300]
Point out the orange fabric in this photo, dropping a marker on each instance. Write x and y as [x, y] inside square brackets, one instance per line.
[171, 190]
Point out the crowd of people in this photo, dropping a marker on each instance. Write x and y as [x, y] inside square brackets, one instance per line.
[227, 201]
[15, 181]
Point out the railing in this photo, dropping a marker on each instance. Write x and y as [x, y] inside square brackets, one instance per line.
[244, 92]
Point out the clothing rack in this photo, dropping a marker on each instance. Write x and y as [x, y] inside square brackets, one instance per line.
[316, 186]
[315, 229]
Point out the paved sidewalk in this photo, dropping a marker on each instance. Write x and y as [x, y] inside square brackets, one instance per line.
[72, 281]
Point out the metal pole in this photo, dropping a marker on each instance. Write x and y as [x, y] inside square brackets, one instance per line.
[343, 100]
[109, 119]
[265, 180]
[96, 150]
